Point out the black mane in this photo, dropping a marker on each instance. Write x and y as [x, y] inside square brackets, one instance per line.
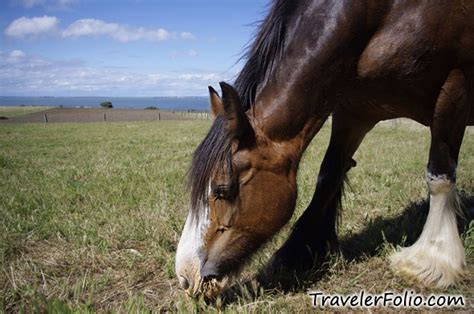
[265, 51]
[262, 56]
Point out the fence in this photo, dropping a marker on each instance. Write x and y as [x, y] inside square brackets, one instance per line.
[194, 115]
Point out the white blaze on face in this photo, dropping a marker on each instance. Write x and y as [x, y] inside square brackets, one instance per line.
[191, 243]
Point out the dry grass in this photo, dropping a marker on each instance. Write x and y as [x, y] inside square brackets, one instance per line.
[91, 215]
[14, 111]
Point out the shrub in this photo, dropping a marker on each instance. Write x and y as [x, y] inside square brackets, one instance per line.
[106, 104]
[151, 108]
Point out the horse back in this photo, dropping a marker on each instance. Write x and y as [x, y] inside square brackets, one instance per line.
[415, 35]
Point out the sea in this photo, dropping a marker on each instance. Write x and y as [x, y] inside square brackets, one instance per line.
[197, 103]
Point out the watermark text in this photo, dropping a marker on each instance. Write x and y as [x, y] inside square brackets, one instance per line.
[407, 299]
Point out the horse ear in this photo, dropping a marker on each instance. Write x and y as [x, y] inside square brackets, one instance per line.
[217, 107]
[237, 122]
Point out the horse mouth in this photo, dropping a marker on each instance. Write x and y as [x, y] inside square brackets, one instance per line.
[211, 287]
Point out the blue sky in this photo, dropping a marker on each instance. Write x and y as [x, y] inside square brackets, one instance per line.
[122, 47]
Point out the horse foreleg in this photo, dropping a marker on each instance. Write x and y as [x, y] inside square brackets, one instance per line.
[314, 234]
[437, 258]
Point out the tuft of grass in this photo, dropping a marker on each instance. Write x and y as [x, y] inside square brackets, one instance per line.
[91, 214]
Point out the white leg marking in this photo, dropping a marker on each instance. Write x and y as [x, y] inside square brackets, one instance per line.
[437, 258]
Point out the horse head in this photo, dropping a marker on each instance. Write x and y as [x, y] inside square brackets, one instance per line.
[243, 190]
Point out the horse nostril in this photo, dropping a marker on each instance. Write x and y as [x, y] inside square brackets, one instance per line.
[209, 277]
[209, 271]
[183, 282]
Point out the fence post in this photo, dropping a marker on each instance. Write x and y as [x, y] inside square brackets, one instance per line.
[159, 116]
[105, 117]
[45, 118]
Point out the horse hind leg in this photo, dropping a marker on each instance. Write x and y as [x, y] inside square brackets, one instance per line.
[437, 258]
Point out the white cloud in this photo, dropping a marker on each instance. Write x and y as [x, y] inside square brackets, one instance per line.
[123, 33]
[87, 27]
[12, 57]
[187, 35]
[36, 76]
[31, 27]
[199, 76]
[35, 26]
[17, 54]
[154, 78]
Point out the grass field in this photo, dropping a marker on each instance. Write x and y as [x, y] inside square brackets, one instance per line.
[90, 216]
[13, 111]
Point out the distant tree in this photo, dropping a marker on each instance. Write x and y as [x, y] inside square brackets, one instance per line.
[106, 104]
[151, 108]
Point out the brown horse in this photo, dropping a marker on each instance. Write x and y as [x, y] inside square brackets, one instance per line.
[363, 62]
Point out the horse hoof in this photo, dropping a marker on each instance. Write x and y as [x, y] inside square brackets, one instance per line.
[417, 264]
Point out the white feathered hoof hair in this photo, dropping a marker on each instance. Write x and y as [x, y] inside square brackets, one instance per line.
[437, 258]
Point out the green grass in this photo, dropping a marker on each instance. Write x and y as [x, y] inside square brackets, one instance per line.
[90, 216]
[13, 111]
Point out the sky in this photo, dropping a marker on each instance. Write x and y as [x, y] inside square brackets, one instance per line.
[122, 47]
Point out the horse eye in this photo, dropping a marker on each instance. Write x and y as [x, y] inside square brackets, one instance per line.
[221, 192]
[222, 229]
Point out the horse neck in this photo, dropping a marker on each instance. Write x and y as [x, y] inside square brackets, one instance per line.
[292, 103]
